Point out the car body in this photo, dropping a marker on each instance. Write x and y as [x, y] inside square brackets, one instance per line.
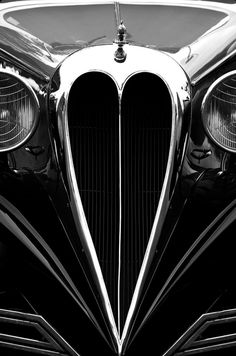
[117, 178]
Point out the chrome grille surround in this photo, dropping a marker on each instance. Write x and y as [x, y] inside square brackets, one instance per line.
[139, 60]
[120, 167]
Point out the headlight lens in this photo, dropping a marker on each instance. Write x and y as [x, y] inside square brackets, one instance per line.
[219, 111]
[18, 111]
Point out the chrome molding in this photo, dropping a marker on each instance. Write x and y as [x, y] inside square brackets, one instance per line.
[138, 60]
[120, 222]
[193, 341]
[19, 226]
[48, 342]
[199, 246]
[40, 3]
[205, 102]
[117, 13]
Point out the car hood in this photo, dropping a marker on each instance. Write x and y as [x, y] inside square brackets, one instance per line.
[41, 34]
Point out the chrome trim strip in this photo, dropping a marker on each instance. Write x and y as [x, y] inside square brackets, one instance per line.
[46, 3]
[139, 59]
[163, 205]
[13, 220]
[118, 21]
[158, 222]
[120, 219]
[192, 3]
[53, 343]
[117, 13]
[14, 61]
[82, 225]
[197, 78]
[188, 344]
[207, 237]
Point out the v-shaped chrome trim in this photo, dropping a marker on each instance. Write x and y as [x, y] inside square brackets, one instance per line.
[139, 59]
[81, 221]
[84, 232]
[162, 209]
[120, 223]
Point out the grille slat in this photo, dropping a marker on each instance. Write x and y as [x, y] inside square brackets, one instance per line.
[145, 142]
[94, 132]
[93, 116]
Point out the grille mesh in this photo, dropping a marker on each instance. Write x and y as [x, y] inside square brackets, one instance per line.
[145, 141]
[146, 128]
[94, 135]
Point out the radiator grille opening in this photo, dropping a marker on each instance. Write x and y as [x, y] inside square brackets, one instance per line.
[101, 151]
[93, 112]
[145, 141]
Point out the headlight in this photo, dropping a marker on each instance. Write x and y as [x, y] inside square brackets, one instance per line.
[219, 111]
[18, 111]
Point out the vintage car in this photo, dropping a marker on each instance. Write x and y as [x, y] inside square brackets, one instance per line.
[117, 178]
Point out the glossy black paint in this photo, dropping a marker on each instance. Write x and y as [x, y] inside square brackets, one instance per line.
[43, 266]
[31, 251]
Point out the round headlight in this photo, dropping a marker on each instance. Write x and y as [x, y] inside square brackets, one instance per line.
[219, 111]
[18, 111]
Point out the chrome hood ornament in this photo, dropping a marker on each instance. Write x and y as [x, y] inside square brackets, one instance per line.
[120, 55]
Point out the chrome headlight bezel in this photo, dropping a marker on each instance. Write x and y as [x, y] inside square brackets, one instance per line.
[207, 100]
[33, 103]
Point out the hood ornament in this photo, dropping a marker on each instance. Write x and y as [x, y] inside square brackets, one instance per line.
[120, 55]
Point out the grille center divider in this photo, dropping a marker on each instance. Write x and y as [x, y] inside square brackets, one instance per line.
[120, 162]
